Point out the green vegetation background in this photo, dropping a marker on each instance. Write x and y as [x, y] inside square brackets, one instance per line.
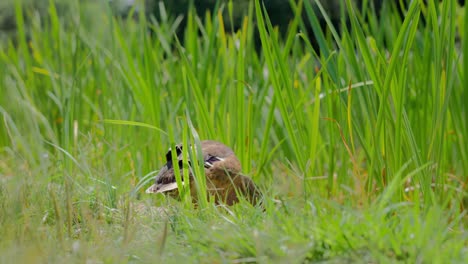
[364, 143]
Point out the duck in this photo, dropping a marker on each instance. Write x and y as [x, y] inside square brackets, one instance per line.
[224, 179]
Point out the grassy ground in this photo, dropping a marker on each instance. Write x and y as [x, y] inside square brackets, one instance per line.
[364, 143]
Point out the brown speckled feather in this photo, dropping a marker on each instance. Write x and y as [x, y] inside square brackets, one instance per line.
[222, 170]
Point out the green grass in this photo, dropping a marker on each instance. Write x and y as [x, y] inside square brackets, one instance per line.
[364, 142]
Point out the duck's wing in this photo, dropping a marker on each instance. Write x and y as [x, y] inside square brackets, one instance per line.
[210, 160]
[160, 188]
[165, 180]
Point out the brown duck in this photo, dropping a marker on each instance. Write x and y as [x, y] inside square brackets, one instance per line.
[224, 180]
